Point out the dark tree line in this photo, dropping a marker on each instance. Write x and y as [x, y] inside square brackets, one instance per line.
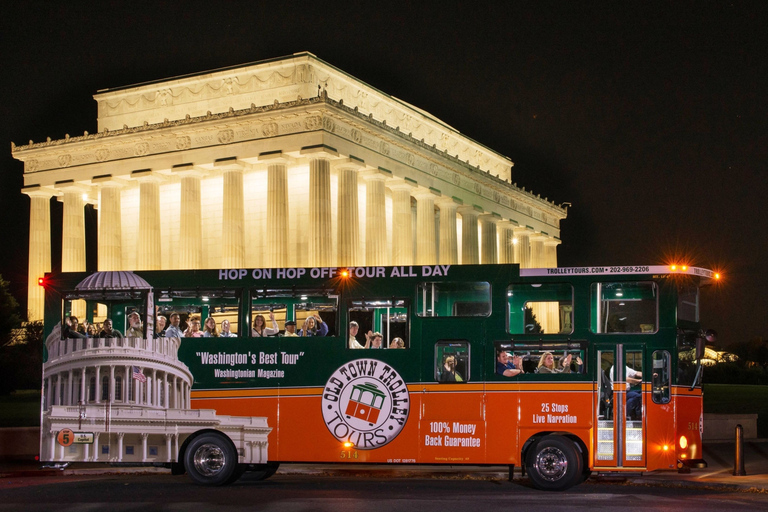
[21, 348]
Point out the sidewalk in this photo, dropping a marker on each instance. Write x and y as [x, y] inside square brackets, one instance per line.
[719, 474]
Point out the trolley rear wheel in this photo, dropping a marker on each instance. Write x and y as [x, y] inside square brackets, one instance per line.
[554, 463]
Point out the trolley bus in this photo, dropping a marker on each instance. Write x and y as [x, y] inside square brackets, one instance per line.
[564, 371]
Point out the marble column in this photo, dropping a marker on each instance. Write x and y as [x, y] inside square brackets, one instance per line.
[57, 398]
[110, 222]
[537, 251]
[190, 217]
[111, 383]
[83, 396]
[489, 250]
[376, 250]
[276, 251]
[233, 216]
[470, 245]
[39, 248]
[347, 222]
[426, 237]
[550, 252]
[70, 389]
[507, 242]
[320, 242]
[148, 240]
[449, 244]
[97, 396]
[73, 229]
[402, 224]
[523, 247]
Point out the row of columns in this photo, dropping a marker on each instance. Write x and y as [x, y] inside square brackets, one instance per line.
[175, 392]
[431, 247]
[171, 447]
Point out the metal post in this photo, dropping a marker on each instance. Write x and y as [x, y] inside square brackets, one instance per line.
[511, 466]
[738, 458]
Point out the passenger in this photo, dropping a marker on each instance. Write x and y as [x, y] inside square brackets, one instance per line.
[210, 328]
[397, 343]
[91, 331]
[508, 365]
[290, 329]
[260, 328]
[134, 326]
[70, 328]
[314, 326]
[225, 333]
[449, 373]
[373, 340]
[174, 331]
[353, 328]
[160, 326]
[634, 395]
[108, 331]
[193, 329]
[547, 364]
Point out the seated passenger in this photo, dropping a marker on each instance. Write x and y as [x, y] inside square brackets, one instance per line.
[634, 395]
[373, 340]
[210, 328]
[449, 373]
[160, 326]
[508, 365]
[108, 332]
[314, 326]
[397, 343]
[547, 364]
[193, 330]
[134, 326]
[91, 331]
[353, 328]
[70, 328]
[290, 329]
[260, 326]
[225, 332]
[174, 331]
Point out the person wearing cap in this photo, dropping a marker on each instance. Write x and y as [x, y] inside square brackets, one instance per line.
[290, 328]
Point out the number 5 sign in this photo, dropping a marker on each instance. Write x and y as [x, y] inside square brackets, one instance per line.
[66, 437]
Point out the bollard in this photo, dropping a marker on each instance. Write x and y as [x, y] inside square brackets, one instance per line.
[738, 457]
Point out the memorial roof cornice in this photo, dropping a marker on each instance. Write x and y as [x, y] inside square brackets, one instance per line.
[148, 129]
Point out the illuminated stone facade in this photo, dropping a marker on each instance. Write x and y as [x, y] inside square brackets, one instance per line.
[287, 162]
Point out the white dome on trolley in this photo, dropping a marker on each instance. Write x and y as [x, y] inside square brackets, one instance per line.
[115, 280]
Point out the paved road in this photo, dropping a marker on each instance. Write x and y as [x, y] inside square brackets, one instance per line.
[320, 493]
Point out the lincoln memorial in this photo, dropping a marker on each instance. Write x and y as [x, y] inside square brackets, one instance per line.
[287, 162]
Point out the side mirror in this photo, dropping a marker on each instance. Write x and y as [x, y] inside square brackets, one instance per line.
[701, 344]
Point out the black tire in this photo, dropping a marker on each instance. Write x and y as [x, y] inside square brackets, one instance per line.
[262, 474]
[211, 459]
[554, 464]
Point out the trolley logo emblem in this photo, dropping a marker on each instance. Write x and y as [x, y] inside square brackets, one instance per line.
[365, 402]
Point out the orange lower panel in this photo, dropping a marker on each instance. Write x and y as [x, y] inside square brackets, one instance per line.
[449, 425]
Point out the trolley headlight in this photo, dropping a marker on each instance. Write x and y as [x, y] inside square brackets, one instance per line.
[683, 442]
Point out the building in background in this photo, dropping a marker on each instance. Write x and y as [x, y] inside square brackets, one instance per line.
[281, 163]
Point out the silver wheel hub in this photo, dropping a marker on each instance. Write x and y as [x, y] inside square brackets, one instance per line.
[209, 459]
[551, 463]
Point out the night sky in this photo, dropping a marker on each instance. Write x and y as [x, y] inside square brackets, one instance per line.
[650, 119]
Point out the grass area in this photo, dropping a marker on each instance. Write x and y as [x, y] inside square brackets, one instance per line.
[20, 409]
[738, 399]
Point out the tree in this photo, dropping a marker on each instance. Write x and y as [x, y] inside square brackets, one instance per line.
[21, 362]
[9, 313]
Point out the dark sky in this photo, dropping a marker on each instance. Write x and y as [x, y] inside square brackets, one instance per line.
[650, 118]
